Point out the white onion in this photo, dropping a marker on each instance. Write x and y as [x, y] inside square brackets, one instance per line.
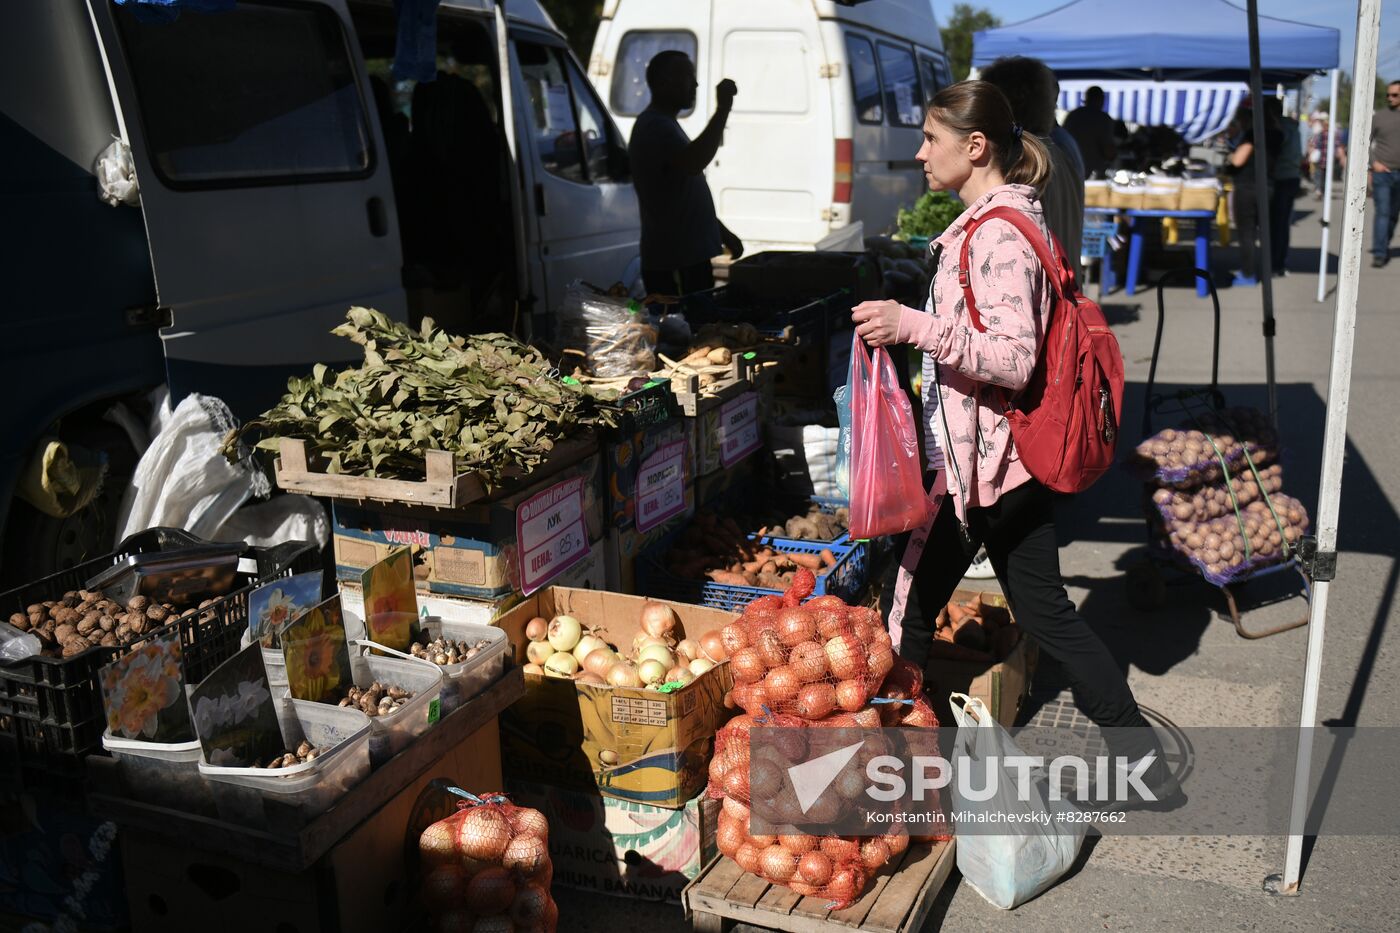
[658, 619]
[651, 672]
[561, 664]
[599, 661]
[538, 652]
[657, 653]
[624, 674]
[565, 632]
[588, 644]
[689, 649]
[534, 669]
[700, 666]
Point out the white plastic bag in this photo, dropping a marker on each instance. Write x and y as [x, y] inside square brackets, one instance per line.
[1007, 870]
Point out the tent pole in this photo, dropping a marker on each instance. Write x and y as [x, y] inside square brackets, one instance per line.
[1330, 141]
[1368, 30]
[1264, 265]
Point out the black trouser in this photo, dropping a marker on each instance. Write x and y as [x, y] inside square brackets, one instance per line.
[1281, 219]
[1247, 223]
[696, 278]
[1018, 531]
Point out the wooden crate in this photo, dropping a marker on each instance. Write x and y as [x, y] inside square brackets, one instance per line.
[694, 399]
[898, 901]
[441, 487]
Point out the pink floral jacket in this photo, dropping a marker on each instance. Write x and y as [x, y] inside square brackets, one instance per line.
[978, 371]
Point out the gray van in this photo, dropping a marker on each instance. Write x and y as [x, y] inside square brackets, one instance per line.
[284, 176]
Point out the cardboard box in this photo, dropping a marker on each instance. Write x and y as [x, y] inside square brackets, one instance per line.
[657, 745]
[625, 545]
[648, 453]
[1002, 685]
[733, 487]
[475, 550]
[726, 432]
[620, 847]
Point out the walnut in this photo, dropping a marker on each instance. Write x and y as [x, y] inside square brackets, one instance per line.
[75, 646]
[70, 599]
[136, 621]
[65, 616]
[109, 640]
[107, 623]
[36, 609]
[63, 632]
[88, 624]
[20, 621]
[138, 602]
[123, 633]
[157, 613]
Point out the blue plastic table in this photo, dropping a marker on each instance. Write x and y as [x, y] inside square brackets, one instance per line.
[1203, 219]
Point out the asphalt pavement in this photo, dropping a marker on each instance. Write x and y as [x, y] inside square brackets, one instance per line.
[1184, 660]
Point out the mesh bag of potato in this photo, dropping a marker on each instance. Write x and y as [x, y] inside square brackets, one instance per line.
[1215, 444]
[487, 866]
[809, 660]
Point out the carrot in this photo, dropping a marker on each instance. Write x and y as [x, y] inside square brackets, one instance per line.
[809, 561]
[728, 578]
[828, 558]
[956, 614]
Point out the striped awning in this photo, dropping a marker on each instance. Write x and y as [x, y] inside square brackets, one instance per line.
[1197, 110]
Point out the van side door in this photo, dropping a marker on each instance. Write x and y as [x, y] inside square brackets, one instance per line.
[267, 199]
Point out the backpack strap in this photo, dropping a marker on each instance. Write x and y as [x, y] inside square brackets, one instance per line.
[1056, 268]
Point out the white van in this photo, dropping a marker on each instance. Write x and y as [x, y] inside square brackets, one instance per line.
[284, 176]
[829, 110]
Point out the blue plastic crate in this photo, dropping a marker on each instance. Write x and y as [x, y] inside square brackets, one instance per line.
[847, 579]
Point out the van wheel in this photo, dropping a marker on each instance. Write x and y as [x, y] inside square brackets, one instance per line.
[37, 544]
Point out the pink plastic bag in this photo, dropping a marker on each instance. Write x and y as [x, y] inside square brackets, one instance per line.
[887, 492]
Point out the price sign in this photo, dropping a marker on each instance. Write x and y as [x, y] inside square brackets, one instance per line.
[550, 534]
[739, 433]
[661, 486]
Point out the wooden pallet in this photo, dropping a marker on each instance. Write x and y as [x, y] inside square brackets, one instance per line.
[442, 486]
[898, 901]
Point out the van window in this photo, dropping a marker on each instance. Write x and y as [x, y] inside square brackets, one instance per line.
[865, 79]
[211, 116]
[901, 79]
[551, 110]
[928, 77]
[603, 152]
[630, 95]
[763, 62]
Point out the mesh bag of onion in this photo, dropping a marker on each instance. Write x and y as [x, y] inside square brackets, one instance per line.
[487, 867]
[808, 660]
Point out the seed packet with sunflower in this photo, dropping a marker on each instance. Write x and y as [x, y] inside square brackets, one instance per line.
[391, 602]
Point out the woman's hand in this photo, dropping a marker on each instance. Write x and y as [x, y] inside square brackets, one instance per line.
[877, 322]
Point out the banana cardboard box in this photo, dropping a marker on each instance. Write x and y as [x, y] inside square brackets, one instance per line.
[485, 550]
[632, 744]
[623, 848]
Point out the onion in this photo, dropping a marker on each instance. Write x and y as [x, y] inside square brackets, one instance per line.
[874, 854]
[826, 809]
[846, 655]
[455, 920]
[795, 626]
[830, 622]
[840, 848]
[700, 666]
[497, 923]
[536, 629]
[538, 652]
[534, 669]
[658, 619]
[483, 834]
[736, 784]
[770, 647]
[799, 843]
[809, 661]
[747, 666]
[657, 653]
[867, 718]
[920, 717]
[850, 695]
[752, 697]
[527, 821]
[679, 674]
[778, 864]
[897, 843]
[782, 684]
[729, 838]
[879, 662]
[763, 840]
[765, 780]
[590, 678]
[438, 843]
[748, 857]
[845, 885]
[491, 892]
[588, 644]
[738, 810]
[624, 674]
[733, 637]
[643, 640]
[689, 649]
[814, 868]
[849, 784]
[651, 672]
[816, 700]
[564, 633]
[804, 890]
[530, 907]
[561, 664]
[712, 645]
[525, 855]
[599, 660]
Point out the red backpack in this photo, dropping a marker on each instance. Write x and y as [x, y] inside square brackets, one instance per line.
[1065, 421]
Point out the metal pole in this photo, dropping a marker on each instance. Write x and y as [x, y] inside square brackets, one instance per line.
[1330, 141]
[1368, 29]
[1261, 193]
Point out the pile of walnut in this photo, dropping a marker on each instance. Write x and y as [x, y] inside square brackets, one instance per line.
[305, 752]
[377, 700]
[83, 619]
[444, 651]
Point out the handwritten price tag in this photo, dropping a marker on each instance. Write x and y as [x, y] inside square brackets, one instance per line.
[661, 486]
[550, 534]
[739, 430]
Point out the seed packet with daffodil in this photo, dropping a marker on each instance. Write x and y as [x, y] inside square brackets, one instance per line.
[143, 693]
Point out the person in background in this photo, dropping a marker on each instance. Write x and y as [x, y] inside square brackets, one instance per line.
[1096, 134]
[1385, 174]
[1287, 178]
[1240, 165]
[1317, 154]
[1032, 89]
[680, 232]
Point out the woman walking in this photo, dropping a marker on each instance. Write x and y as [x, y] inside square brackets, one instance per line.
[972, 146]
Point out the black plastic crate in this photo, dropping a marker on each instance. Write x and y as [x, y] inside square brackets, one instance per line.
[654, 403]
[772, 316]
[51, 708]
[807, 275]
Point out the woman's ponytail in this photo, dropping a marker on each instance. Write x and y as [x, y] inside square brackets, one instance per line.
[978, 106]
[1026, 161]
